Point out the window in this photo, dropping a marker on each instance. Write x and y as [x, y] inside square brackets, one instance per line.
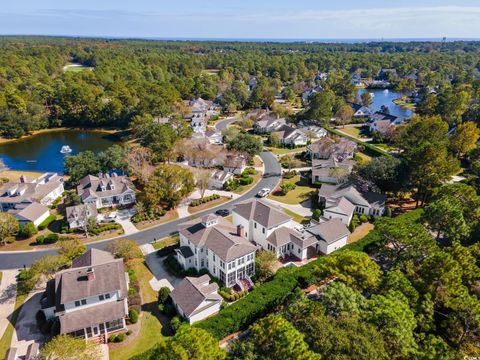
[250, 269]
[77, 303]
[255, 225]
[299, 251]
[101, 297]
[213, 257]
[222, 264]
[222, 276]
[240, 261]
[203, 263]
[263, 230]
[84, 301]
[231, 279]
[107, 296]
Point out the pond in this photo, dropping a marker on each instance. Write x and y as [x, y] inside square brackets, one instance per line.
[41, 152]
[385, 97]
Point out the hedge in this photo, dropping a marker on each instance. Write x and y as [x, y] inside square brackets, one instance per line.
[266, 297]
[98, 230]
[247, 180]
[49, 239]
[151, 214]
[204, 200]
[47, 222]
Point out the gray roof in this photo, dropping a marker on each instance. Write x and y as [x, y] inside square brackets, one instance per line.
[341, 206]
[91, 186]
[185, 251]
[81, 212]
[262, 213]
[80, 319]
[192, 292]
[30, 190]
[356, 197]
[286, 132]
[284, 235]
[220, 237]
[32, 212]
[92, 257]
[324, 167]
[327, 147]
[329, 231]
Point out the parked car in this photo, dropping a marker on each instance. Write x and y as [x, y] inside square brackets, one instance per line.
[223, 212]
[264, 192]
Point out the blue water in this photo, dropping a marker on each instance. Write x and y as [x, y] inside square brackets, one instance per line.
[42, 152]
[380, 97]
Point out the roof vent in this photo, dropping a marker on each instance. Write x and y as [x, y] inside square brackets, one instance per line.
[90, 274]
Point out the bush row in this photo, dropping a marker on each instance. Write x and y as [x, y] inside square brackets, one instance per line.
[46, 222]
[204, 200]
[149, 215]
[233, 297]
[117, 338]
[266, 297]
[107, 227]
[47, 239]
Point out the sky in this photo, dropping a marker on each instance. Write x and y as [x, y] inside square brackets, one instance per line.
[243, 19]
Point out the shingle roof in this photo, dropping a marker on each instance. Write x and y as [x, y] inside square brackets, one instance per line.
[341, 206]
[262, 213]
[322, 167]
[330, 231]
[192, 292]
[350, 192]
[284, 235]
[81, 212]
[32, 212]
[80, 319]
[221, 238]
[114, 185]
[30, 190]
[92, 257]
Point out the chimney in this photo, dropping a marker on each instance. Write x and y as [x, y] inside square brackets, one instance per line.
[240, 231]
[23, 179]
[90, 274]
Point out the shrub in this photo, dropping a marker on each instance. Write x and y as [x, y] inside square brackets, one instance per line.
[363, 218]
[151, 214]
[388, 212]
[28, 230]
[163, 295]
[246, 180]
[290, 174]
[316, 214]
[132, 291]
[46, 222]
[40, 239]
[133, 316]
[231, 185]
[129, 332]
[51, 238]
[249, 171]
[169, 309]
[175, 323]
[121, 337]
[287, 187]
[204, 200]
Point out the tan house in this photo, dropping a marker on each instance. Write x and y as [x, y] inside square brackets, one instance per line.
[106, 191]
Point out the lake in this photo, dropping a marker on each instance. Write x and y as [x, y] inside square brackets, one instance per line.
[41, 152]
[381, 97]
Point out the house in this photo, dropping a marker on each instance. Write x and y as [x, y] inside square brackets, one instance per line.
[44, 190]
[327, 147]
[331, 235]
[79, 214]
[214, 137]
[252, 82]
[331, 170]
[106, 191]
[365, 202]
[215, 244]
[198, 123]
[307, 94]
[291, 136]
[383, 123]
[89, 300]
[257, 114]
[201, 110]
[268, 124]
[273, 230]
[311, 131]
[360, 111]
[219, 178]
[35, 213]
[235, 164]
[196, 299]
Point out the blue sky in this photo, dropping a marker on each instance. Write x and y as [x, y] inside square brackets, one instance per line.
[315, 19]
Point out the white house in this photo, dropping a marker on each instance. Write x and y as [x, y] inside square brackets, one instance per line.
[331, 235]
[291, 136]
[214, 137]
[268, 124]
[106, 191]
[383, 123]
[35, 213]
[234, 164]
[328, 147]
[213, 243]
[219, 178]
[331, 170]
[79, 214]
[44, 190]
[196, 299]
[89, 299]
[360, 111]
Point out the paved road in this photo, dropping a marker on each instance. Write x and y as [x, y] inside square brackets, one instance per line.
[271, 177]
[223, 124]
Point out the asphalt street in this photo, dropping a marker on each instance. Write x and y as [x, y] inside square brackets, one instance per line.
[271, 177]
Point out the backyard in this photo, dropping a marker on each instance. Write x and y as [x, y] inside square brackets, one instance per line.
[301, 193]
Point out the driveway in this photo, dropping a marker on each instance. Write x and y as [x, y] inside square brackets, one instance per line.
[123, 218]
[161, 276]
[223, 124]
[8, 293]
[26, 330]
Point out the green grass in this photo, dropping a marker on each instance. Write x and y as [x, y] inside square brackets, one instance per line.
[151, 328]
[301, 193]
[165, 242]
[76, 69]
[296, 217]
[1, 275]
[284, 151]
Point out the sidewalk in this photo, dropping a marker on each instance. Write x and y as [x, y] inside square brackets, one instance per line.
[8, 293]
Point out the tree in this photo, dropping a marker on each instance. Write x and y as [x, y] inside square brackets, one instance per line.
[163, 295]
[366, 98]
[464, 139]
[169, 184]
[125, 248]
[80, 165]
[341, 300]
[406, 86]
[445, 216]
[64, 347]
[113, 158]
[286, 187]
[71, 248]
[387, 172]
[320, 106]
[344, 114]
[203, 180]
[249, 144]
[275, 338]
[265, 264]
[8, 227]
[139, 162]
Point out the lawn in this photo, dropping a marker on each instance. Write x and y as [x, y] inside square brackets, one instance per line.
[297, 217]
[284, 151]
[364, 158]
[160, 244]
[244, 188]
[76, 68]
[360, 232]
[301, 193]
[151, 328]
[208, 205]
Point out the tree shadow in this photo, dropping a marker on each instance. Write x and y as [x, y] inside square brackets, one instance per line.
[152, 308]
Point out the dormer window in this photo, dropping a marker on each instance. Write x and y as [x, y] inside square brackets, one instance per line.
[104, 188]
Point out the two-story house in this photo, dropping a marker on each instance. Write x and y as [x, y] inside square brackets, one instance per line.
[213, 243]
[105, 190]
[360, 111]
[383, 123]
[78, 215]
[89, 300]
[328, 147]
[268, 124]
[291, 136]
